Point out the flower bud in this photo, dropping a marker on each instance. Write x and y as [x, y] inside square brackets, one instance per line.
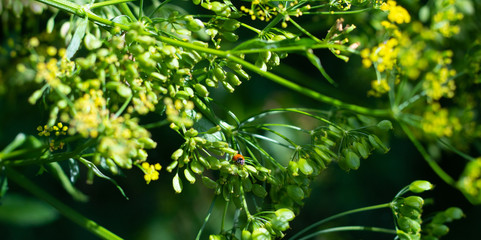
[420, 186]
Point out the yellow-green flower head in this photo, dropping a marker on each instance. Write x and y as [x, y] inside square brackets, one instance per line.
[151, 171]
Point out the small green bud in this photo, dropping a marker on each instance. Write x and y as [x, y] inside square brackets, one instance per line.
[351, 158]
[189, 175]
[362, 149]
[209, 183]
[279, 224]
[196, 167]
[194, 25]
[305, 167]
[439, 229]
[171, 166]
[246, 235]
[177, 183]
[233, 79]
[453, 213]
[158, 76]
[201, 90]
[230, 36]
[228, 87]
[213, 129]
[420, 186]
[231, 25]
[285, 213]
[295, 192]
[191, 133]
[414, 201]
[177, 154]
[261, 234]
[265, 55]
[385, 125]
[408, 225]
[247, 184]
[377, 143]
[259, 190]
[293, 168]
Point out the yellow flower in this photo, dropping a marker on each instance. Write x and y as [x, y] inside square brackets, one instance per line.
[151, 171]
[438, 122]
[378, 88]
[397, 14]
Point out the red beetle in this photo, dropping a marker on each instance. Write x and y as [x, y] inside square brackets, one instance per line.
[239, 159]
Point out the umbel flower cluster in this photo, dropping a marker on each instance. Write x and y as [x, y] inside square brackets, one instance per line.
[122, 64]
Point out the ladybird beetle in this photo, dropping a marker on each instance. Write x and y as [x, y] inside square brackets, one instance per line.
[239, 159]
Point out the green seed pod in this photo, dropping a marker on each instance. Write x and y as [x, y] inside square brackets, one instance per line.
[191, 133]
[124, 91]
[259, 190]
[261, 64]
[182, 95]
[351, 158]
[231, 25]
[201, 90]
[274, 60]
[420, 186]
[408, 225]
[233, 79]
[362, 149]
[295, 192]
[219, 73]
[177, 183]
[35, 96]
[414, 201]
[305, 167]
[173, 63]
[246, 235]
[209, 183]
[172, 166]
[196, 2]
[410, 212]
[177, 154]
[214, 162]
[403, 236]
[230, 36]
[285, 214]
[247, 184]
[260, 234]
[439, 229]
[204, 162]
[453, 213]
[293, 168]
[336, 132]
[228, 87]
[194, 25]
[214, 129]
[196, 167]
[189, 175]
[323, 155]
[265, 56]
[142, 155]
[385, 125]
[377, 143]
[279, 224]
[211, 82]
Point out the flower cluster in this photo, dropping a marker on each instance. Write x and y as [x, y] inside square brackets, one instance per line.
[151, 171]
[57, 130]
[470, 181]
[397, 14]
[438, 122]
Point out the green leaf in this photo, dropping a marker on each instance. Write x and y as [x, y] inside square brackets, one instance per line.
[317, 63]
[20, 210]
[77, 38]
[18, 141]
[269, 44]
[3, 183]
[66, 183]
[385, 125]
[98, 173]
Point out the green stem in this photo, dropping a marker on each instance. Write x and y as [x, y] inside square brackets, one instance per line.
[384, 205]
[68, 212]
[124, 9]
[432, 163]
[107, 3]
[63, 5]
[350, 228]
[304, 31]
[206, 218]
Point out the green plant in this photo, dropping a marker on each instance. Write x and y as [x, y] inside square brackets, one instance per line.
[126, 60]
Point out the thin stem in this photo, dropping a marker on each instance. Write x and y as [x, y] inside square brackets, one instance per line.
[384, 205]
[206, 219]
[123, 107]
[350, 228]
[337, 13]
[304, 31]
[432, 163]
[65, 210]
[108, 3]
[156, 124]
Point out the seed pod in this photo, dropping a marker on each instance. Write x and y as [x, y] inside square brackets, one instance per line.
[211, 82]
[410, 212]
[293, 168]
[453, 213]
[260, 234]
[261, 64]
[209, 183]
[305, 167]
[177, 154]
[228, 87]
[377, 143]
[230, 25]
[194, 25]
[414, 201]
[230, 36]
[259, 190]
[189, 175]
[351, 158]
[361, 149]
[219, 73]
[246, 235]
[420, 186]
[295, 192]
[247, 184]
[201, 90]
[177, 183]
[385, 125]
[265, 55]
[408, 225]
[233, 79]
[279, 223]
[171, 166]
[439, 229]
[214, 162]
[196, 166]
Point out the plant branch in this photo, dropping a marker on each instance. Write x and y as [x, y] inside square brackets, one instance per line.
[350, 228]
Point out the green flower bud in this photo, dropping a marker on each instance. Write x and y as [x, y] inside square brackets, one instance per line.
[247, 184]
[214, 162]
[246, 235]
[228, 87]
[265, 55]
[285, 214]
[231, 25]
[91, 42]
[408, 225]
[230, 36]
[177, 154]
[171, 166]
[217, 237]
[194, 25]
[182, 95]
[385, 125]
[214, 129]
[158, 76]
[191, 133]
[295, 192]
[362, 149]
[177, 183]
[279, 224]
[259, 190]
[420, 186]
[351, 158]
[453, 213]
[305, 166]
[377, 143]
[201, 90]
[261, 234]
[410, 212]
[293, 168]
[414, 201]
[209, 183]
[196, 2]
[233, 79]
[196, 167]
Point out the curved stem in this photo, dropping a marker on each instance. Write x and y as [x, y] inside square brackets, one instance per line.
[432, 163]
[350, 228]
[384, 205]
[65, 210]
[206, 218]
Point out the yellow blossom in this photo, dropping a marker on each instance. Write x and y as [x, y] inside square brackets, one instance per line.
[397, 14]
[379, 88]
[438, 122]
[151, 172]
